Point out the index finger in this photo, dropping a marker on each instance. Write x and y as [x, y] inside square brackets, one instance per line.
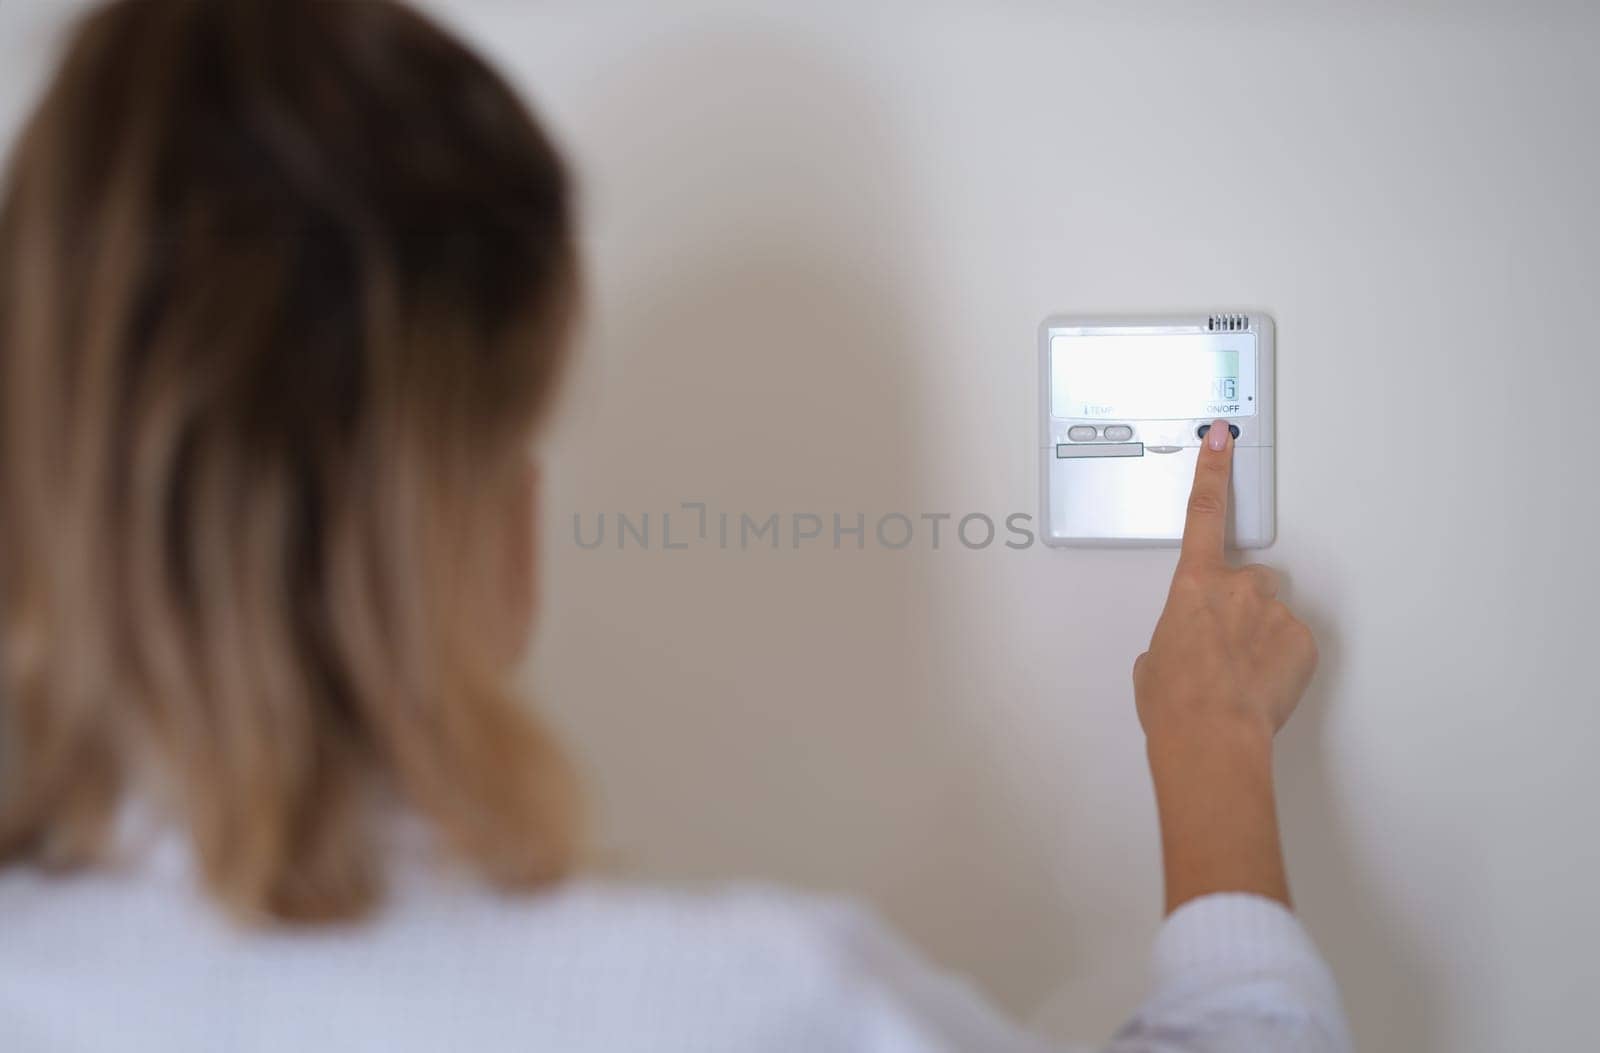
[1205, 528]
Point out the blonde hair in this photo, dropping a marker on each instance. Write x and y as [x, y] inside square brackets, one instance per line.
[283, 287]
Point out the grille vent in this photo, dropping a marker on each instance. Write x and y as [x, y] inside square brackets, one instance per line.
[1228, 323]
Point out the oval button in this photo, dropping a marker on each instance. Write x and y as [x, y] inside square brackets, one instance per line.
[1119, 433]
[1081, 433]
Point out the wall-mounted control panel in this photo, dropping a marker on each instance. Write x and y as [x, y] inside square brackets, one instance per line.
[1124, 404]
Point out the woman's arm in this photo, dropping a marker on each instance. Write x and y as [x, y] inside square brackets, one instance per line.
[1233, 971]
[1226, 666]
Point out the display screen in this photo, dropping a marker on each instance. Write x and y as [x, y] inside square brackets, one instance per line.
[1173, 376]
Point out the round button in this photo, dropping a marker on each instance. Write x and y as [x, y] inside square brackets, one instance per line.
[1119, 433]
[1233, 429]
[1081, 432]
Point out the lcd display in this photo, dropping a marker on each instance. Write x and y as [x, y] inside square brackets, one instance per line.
[1174, 376]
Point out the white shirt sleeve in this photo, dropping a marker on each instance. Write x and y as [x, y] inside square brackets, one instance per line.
[1236, 973]
[1232, 973]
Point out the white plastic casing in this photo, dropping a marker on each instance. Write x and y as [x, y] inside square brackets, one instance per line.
[1135, 491]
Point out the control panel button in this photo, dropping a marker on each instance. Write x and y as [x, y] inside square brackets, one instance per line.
[1119, 433]
[1233, 429]
[1081, 432]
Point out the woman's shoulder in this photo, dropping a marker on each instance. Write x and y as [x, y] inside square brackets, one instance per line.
[744, 930]
[709, 967]
[588, 965]
[824, 966]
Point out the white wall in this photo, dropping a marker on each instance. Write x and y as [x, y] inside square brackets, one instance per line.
[820, 243]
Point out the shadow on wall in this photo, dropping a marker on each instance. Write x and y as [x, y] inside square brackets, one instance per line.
[1388, 992]
[770, 713]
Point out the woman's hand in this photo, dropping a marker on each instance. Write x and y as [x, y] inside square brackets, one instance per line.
[1227, 657]
[1226, 666]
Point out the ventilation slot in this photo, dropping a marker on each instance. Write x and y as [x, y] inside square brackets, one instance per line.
[1228, 323]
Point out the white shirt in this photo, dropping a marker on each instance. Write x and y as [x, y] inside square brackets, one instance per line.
[137, 960]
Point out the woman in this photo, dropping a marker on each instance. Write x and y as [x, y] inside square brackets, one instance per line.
[284, 289]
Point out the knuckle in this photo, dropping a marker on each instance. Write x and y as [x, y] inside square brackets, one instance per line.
[1264, 577]
[1241, 578]
[1302, 637]
[1205, 503]
[1241, 592]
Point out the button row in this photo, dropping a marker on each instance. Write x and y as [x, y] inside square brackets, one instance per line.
[1122, 433]
[1087, 432]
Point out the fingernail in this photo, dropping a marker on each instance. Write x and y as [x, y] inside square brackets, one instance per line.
[1217, 437]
